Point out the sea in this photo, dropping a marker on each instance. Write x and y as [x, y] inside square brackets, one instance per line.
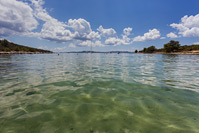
[99, 93]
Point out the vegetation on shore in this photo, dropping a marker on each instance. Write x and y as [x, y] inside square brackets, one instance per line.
[171, 47]
[6, 46]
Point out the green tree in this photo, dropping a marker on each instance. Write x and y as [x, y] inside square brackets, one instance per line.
[172, 46]
[16, 49]
[150, 49]
[144, 50]
[136, 51]
[7, 49]
[32, 50]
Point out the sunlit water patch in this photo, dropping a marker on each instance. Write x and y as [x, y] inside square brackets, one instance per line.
[99, 93]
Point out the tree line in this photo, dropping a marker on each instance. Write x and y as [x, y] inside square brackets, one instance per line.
[172, 46]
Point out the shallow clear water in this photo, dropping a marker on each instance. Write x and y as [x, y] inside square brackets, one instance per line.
[85, 93]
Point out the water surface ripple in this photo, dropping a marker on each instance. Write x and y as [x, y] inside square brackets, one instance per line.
[117, 93]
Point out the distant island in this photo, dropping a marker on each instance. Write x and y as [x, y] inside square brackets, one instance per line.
[7, 47]
[173, 47]
[108, 52]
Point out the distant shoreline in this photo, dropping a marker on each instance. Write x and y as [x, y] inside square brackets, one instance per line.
[195, 52]
[180, 53]
[173, 53]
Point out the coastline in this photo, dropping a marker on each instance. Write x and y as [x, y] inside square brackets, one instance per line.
[194, 52]
[23, 52]
[173, 53]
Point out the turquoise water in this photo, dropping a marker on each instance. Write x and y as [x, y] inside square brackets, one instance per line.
[99, 93]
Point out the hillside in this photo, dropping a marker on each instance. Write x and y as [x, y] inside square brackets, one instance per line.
[9, 47]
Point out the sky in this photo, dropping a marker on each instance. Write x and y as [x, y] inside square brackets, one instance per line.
[106, 25]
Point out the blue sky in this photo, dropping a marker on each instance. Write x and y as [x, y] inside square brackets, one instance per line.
[73, 25]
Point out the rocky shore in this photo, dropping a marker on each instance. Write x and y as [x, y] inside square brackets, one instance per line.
[194, 52]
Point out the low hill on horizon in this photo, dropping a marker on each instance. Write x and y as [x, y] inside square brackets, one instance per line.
[6, 46]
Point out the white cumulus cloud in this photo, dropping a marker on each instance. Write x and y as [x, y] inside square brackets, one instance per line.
[82, 29]
[188, 26]
[87, 43]
[118, 41]
[111, 39]
[22, 17]
[151, 35]
[16, 17]
[115, 41]
[172, 35]
[127, 31]
[54, 30]
[107, 33]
